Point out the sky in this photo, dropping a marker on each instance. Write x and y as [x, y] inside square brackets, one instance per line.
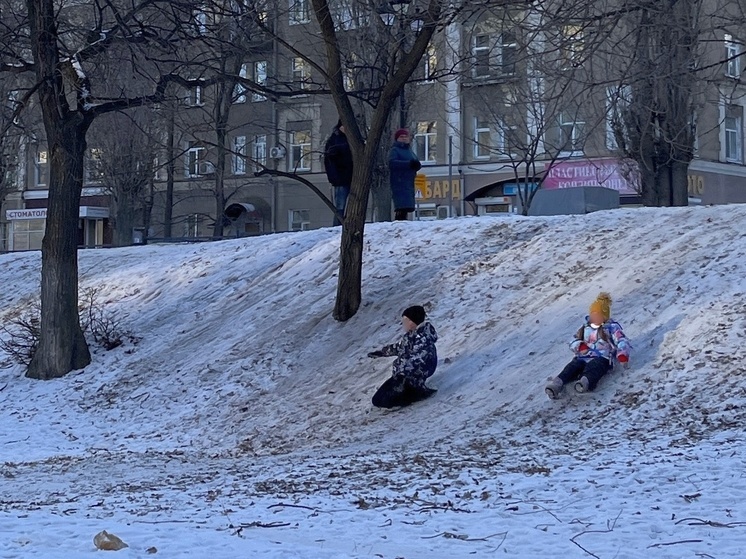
[236, 420]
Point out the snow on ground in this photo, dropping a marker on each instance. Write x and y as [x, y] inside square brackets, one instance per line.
[240, 425]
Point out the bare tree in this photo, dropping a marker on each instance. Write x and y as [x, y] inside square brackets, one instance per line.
[394, 67]
[73, 53]
[124, 162]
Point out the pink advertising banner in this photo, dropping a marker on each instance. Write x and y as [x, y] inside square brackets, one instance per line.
[610, 173]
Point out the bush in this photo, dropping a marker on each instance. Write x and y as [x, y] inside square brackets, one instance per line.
[21, 334]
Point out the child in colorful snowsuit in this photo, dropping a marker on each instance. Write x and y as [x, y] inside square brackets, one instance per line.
[416, 360]
[597, 344]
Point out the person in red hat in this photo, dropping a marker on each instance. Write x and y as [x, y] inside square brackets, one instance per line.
[403, 167]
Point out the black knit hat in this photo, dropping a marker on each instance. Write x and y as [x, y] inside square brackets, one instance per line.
[415, 313]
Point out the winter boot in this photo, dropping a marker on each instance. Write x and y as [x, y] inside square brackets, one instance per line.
[553, 388]
[582, 385]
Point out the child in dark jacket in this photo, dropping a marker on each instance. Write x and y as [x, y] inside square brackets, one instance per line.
[416, 360]
[597, 344]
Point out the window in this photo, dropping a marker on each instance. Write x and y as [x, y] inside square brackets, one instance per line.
[193, 97]
[429, 64]
[13, 103]
[200, 20]
[570, 134]
[490, 56]
[481, 55]
[260, 151]
[260, 78]
[300, 150]
[301, 73]
[350, 68]
[732, 53]
[3, 236]
[299, 12]
[194, 161]
[158, 169]
[261, 11]
[299, 220]
[28, 234]
[191, 225]
[349, 79]
[572, 45]
[508, 52]
[733, 139]
[482, 139]
[348, 14]
[41, 168]
[94, 165]
[239, 155]
[618, 99]
[239, 92]
[425, 139]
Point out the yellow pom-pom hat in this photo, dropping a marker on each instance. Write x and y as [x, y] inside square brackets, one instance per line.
[602, 305]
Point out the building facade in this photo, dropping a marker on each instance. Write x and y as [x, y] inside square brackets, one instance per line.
[490, 112]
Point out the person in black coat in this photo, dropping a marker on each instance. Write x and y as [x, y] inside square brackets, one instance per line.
[338, 166]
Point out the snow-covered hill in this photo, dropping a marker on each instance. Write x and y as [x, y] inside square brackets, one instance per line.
[241, 363]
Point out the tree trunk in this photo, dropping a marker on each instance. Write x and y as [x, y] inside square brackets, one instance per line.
[62, 346]
[349, 283]
[217, 230]
[168, 209]
[381, 187]
[123, 205]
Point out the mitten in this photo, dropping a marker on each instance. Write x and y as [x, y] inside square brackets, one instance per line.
[582, 347]
[623, 359]
[377, 353]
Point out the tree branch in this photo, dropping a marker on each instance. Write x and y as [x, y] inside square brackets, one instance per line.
[309, 184]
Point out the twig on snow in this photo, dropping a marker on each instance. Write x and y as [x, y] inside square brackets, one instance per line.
[713, 523]
[292, 506]
[18, 441]
[258, 524]
[465, 538]
[609, 528]
[674, 543]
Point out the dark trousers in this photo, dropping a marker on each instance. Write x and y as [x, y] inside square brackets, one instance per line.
[401, 215]
[397, 392]
[341, 193]
[593, 370]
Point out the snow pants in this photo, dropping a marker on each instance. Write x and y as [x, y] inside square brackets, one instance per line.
[593, 370]
[398, 392]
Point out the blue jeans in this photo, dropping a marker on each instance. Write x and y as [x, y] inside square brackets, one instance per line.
[340, 201]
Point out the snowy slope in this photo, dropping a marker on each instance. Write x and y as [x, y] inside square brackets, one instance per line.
[243, 383]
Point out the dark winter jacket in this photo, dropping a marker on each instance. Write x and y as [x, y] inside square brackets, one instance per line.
[416, 356]
[403, 166]
[338, 159]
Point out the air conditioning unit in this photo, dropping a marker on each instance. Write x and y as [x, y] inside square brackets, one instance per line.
[444, 212]
[277, 152]
[205, 168]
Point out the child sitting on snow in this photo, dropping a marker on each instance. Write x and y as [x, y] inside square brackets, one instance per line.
[596, 345]
[416, 360]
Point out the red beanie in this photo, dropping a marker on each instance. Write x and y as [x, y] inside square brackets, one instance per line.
[400, 132]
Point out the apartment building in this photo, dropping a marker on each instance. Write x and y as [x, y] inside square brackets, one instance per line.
[490, 112]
